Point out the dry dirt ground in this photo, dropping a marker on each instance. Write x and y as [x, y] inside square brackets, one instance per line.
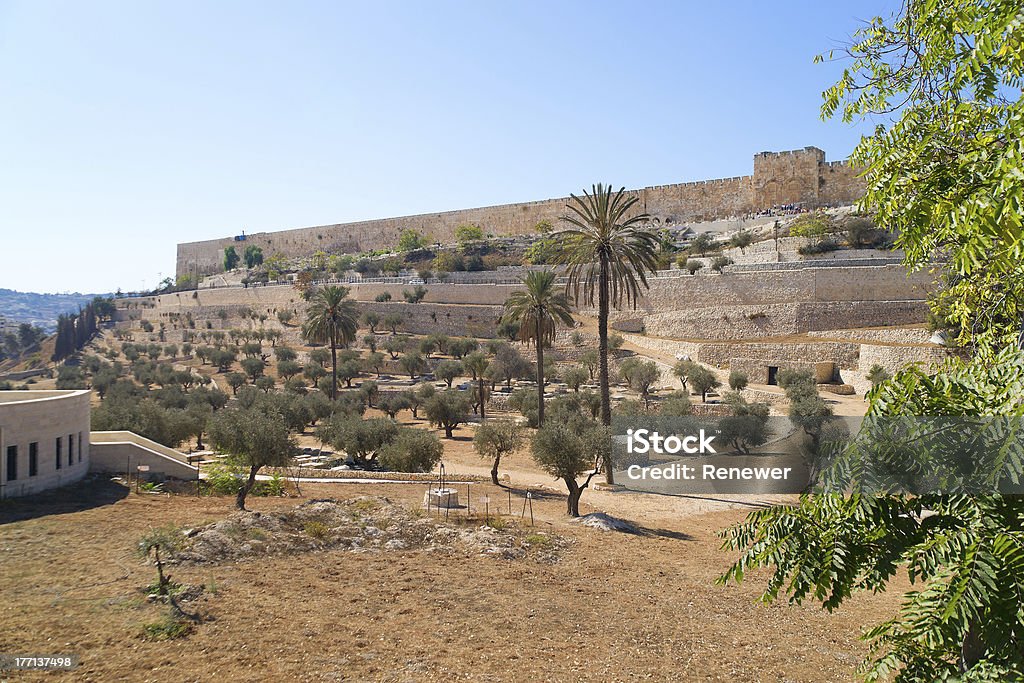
[615, 607]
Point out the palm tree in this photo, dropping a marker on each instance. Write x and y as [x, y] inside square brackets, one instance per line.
[538, 309]
[476, 363]
[331, 319]
[608, 252]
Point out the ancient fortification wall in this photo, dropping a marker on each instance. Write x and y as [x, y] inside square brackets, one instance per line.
[799, 176]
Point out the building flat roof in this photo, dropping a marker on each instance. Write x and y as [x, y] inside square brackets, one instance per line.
[27, 396]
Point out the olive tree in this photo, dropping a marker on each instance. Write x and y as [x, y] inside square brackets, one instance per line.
[569, 450]
[702, 381]
[252, 438]
[495, 439]
[447, 409]
[412, 450]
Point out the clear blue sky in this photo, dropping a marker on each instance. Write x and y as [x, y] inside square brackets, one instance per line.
[128, 127]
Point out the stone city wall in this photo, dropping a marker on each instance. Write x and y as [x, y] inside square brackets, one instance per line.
[799, 176]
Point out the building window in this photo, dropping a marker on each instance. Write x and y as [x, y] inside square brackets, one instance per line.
[71, 450]
[60, 450]
[33, 459]
[12, 463]
[79, 446]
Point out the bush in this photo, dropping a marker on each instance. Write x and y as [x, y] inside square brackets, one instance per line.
[877, 374]
[860, 231]
[821, 247]
[222, 480]
[526, 402]
[815, 226]
[170, 627]
[316, 530]
[70, 377]
[416, 295]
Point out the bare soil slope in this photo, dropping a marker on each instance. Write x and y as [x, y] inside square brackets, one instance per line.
[614, 607]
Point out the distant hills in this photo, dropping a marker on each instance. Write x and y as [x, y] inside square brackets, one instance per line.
[40, 309]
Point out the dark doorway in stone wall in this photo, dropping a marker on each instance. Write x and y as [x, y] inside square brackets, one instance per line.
[773, 375]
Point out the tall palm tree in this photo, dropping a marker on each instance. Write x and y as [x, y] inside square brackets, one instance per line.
[539, 309]
[331, 319]
[609, 250]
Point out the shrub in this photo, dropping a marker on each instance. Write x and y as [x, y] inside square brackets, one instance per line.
[170, 627]
[821, 247]
[468, 233]
[416, 295]
[815, 226]
[703, 243]
[877, 374]
[316, 530]
[860, 231]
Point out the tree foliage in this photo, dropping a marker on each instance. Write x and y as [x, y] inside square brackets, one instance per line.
[496, 439]
[537, 310]
[609, 249]
[254, 438]
[946, 173]
[231, 258]
[331, 319]
[447, 409]
[569, 449]
[966, 551]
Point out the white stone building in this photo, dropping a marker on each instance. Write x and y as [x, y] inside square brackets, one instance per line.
[44, 440]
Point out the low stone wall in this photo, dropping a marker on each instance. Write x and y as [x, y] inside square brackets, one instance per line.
[841, 353]
[757, 369]
[777, 320]
[25, 374]
[888, 335]
[424, 318]
[839, 259]
[425, 477]
[120, 452]
[761, 396]
[673, 347]
[892, 358]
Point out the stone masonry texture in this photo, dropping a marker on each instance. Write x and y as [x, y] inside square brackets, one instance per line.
[792, 177]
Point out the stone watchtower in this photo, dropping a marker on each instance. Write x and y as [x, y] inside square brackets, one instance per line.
[793, 177]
